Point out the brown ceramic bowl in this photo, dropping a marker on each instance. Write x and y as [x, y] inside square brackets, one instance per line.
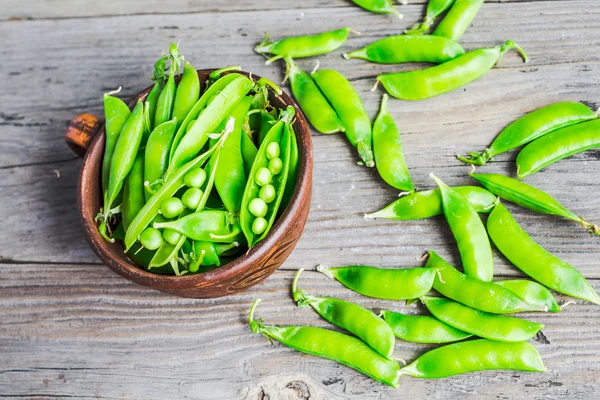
[85, 135]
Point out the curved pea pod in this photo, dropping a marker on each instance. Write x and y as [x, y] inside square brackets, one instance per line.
[200, 105]
[349, 108]
[479, 323]
[133, 192]
[116, 113]
[208, 255]
[208, 226]
[531, 292]
[469, 232]
[166, 191]
[409, 48]
[266, 123]
[187, 93]
[164, 104]
[292, 178]
[219, 108]
[383, 283]
[156, 155]
[387, 149]
[331, 345]
[532, 126]
[357, 320]
[458, 19]
[313, 103]
[475, 355]
[558, 145]
[472, 292]
[532, 198]
[435, 8]
[378, 6]
[422, 328]
[303, 46]
[429, 82]
[534, 260]
[428, 204]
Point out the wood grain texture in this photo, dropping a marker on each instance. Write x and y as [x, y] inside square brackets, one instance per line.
[70, 327]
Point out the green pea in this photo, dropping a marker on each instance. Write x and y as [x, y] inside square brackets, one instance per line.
[263, 176]
[151, 238]
[275, 166]
[171, 236]
[259, 225]
[257, 207]
[191, 198]
[171, 208]
[267, 193]
[272, 150]
[195, 178]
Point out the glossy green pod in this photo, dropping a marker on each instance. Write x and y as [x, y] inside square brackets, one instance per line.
[207, 226]
[116, 113]
[531, 292]
[458, 19]
[435, 8]
[156, 154]
[422, 328]
[378, 6]
[187, 93]
[133, 192]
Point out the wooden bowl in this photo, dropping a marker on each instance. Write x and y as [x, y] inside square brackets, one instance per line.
[85, 136]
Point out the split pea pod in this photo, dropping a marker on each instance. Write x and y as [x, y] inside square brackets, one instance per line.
[479, 323]
[532, 198]
[534, 260]
[435, 8]
[422, 328]
[475, 355]
[312, 101]
[430, 82]
[532, 126]
[187, 93]
[164, 105]
[349, 108]
[409, 48]
[331, 345]
[302, 46]
[133, 192]
[378, 6]
[469, 232]
[357, 320]
[428, 204]
[387, 149]
[157, 154]
[458, 19]
[472, 292]
[531, 292]
[383, 283]
[159, 84]
[116, 113]
[558, 145]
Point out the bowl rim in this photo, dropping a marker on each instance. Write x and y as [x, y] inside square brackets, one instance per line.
[235, 267]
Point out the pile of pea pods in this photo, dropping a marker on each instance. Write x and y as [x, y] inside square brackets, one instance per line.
[198, 176]
[469, 318]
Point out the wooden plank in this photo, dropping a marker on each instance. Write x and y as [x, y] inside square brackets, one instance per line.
[83, 331]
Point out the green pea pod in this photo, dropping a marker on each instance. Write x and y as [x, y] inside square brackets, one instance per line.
[230, 178]
[157, 153]
[292, 178]
[266, 123]
[472, 292]
[479, 323]
[159, 78]
[428, 204]
[141, 257]
[249, 152]
[349, 108]
[387, 148]
[187, 93]
[303, 46]
[378, 6]
[469, 232]
[164, 104]
[531, 292]
[331, 345]
[116, 113]
[435, 8]
[219, 108]
[527, 196]
[215, 75]
[383, 283]
[458, 19]
[429, 82]
[209, 255]
[558, 145]
[208, 225]
[166, 191]
[422, 328]
[475, 355]
[409, 48]
[532, 126]
[534, 260]
[350, 316]
[133, 192]
[313, 103]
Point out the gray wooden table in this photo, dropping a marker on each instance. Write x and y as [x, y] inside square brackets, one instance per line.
[69, 327]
